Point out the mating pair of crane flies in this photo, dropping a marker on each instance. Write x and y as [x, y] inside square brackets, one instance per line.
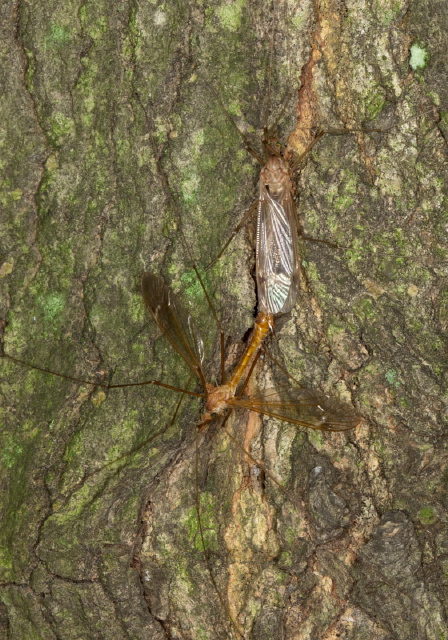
[277, 274]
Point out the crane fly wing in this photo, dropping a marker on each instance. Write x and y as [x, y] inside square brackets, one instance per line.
[277, 256]
[304, 407]
[172, 319]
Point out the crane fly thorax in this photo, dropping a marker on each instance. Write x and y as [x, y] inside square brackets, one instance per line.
[275, 175]
[218, 398]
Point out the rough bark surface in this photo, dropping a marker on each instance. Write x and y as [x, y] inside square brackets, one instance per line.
[100, 543]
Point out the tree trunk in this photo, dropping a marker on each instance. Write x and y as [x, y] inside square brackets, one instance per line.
[99, 535]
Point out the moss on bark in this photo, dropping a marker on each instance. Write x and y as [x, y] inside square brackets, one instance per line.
[92, 91]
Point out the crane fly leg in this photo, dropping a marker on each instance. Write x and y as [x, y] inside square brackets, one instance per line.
[249, 213]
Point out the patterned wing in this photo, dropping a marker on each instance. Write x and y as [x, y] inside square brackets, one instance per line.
[172, 319]
[304, 407]
[277, 261]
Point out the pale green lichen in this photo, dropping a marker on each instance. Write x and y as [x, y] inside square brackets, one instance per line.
[230, 15]
[6, 268]
[392, 378]
[316, 439]
[160, 18]
[189, 188]
[419, 57]
[387, 12]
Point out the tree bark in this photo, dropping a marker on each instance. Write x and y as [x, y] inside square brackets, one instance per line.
[100, 103]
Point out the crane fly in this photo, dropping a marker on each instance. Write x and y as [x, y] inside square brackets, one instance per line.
[277, 256]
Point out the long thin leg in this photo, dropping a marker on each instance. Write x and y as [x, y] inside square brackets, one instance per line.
[244, 138]
[102, 385]
[268, 93]
[250, 212]
[138, 447]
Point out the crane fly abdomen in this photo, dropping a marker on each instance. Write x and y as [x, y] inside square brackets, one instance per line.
[277, 258]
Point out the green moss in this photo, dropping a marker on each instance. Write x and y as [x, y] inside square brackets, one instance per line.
[96, 28]
[285, 559]
[208, 522]
[355, 254]
[47, 309]
[192, 287]
[61, 128]
[122, 436]
[312, 272]
[234, 107]
[427, 515]
[364, 309]
[30, 70]
[415, 325]
[11, 452]
[136, 309]
[374, 104]
[342, 203]
[58, 35]
[329, 193]
[9, 197]
[438, 345]
[6, 561]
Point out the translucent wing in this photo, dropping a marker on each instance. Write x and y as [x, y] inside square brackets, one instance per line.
[304, 407]
[277, 252]
[173, 320]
